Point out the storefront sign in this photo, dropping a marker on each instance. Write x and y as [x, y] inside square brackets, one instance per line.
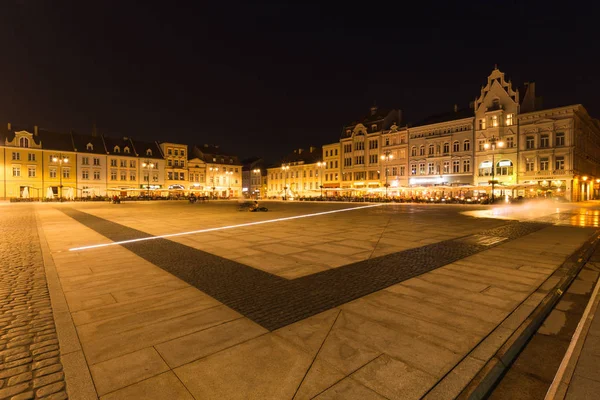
[418, 181]
[505, 163]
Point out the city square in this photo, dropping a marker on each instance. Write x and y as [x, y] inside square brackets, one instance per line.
[170, 299]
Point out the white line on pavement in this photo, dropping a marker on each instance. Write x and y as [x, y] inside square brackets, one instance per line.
[221, 228]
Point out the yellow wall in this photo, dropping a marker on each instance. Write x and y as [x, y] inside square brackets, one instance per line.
[24, 163]
[50, 181]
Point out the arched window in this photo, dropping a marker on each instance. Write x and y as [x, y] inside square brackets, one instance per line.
[422, 150]
[149, 152]
[504, 167]
[89, 147]
[431, 149]
[126, 149]
[413, 151]
[117, 149]
[467, 145]
[446, 148]
[456, 146]
[24, 142]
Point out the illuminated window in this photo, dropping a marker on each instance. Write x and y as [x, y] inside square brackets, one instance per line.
[23, 142]
[482, 124]
[31, 172]
[509, 119]
[456, 166]
[510, 142]
[544, 164]
[560, 163]
[494, 120]
[16, 171]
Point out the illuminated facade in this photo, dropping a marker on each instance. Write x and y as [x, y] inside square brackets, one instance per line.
[176, 156]
[331, 158]
[300, 174]
[222, 172]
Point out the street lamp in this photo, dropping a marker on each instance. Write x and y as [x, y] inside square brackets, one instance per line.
[285, 169]
[256, 171]
[148, 165]
[60, 160]
[493, 143]
[228, 176]
[386, 159]
[213, 170]
[321, 165]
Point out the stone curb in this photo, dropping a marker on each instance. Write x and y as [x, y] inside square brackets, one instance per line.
[77, 375]
[493, 370]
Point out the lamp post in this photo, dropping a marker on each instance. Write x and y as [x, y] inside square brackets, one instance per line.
[148, 165]
[321, 165]
[60, 160]
[285, 169]
[492, 144]
[228, 176]
[386, 157]
[213, 170]
[257, 172]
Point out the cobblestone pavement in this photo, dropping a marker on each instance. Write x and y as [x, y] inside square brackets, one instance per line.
[274, 302]
[30, 365]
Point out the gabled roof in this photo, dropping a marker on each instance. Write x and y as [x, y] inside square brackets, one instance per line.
[122, 142]
[382, 118]
[208, 153]
[141, 147]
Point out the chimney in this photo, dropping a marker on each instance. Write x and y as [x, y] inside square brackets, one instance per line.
[35, 130]
[456, 108]
[94, 131]
[374, 110]
[528, 102]
[300, 151]
[9, 127]
[312, 148]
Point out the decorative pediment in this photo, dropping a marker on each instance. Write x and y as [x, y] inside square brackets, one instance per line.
[24, 139]
[359, 129]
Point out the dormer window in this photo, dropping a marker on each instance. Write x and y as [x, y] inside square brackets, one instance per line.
[126, 149]
[148, 152]
[374, 127]
[117, 149]
[23, 142]
[89, 147]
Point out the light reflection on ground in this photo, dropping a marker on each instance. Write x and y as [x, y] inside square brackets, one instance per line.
[585, 214]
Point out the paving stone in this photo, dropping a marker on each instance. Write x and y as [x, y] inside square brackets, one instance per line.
[24, 377]
[23, 396]
[13, 390]
[47, 390]
[48, 370]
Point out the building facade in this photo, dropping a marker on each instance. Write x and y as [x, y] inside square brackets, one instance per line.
[300, 175]
[222, 171]
[332, 159]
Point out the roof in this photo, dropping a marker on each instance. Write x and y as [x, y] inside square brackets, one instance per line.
[383, 118]
[445, 117]
[81, 142]
[208, 153]
[310, 156]
[122, 142]
[142, 147]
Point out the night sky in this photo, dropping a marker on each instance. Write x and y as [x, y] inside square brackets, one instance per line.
[264, 79]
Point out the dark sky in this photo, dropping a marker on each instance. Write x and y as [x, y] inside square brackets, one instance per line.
[266, 78]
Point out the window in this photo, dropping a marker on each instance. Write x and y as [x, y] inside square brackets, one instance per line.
[23, 142]
[544, 141]
[387, 141]
[347, 162]
[359, 146]
[446, 148]
[123, 163]
[413, 151]
[182, 176]
[544, 164]
[85, 174]
[529, 164]
[509, 119]
[31, 172]
[430, 169]
[480, 145]
[336, 163]
[123, 175]
[402, 170]
[131, 163]
[89, 147]
[373, 159]
[456, 146]
[116, 149]
[446, 167]
[16, 171]
[431, 150]
[169, 163]
[559, 163]
[466, 165]
[170, 152]
[373, 144]
[456, 166]
[96, 175]
[31, 157]
[358, 160]
[52, 172]
[529, 142]
[394, 171]
[85, 161]
[96, 161]
[466, 145]
[347, 148]
[560, 139]
[113, 163]
[66, 172]
[413, 169]
[482, 124]
[176, 164]
[510, 142]
[421, 168]
[504, 167]
[176, 152]
[126, 149]
[132, 176]
[336, 152]
[16, 156]
[113, 175]
[422, 150]
[494, 120]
